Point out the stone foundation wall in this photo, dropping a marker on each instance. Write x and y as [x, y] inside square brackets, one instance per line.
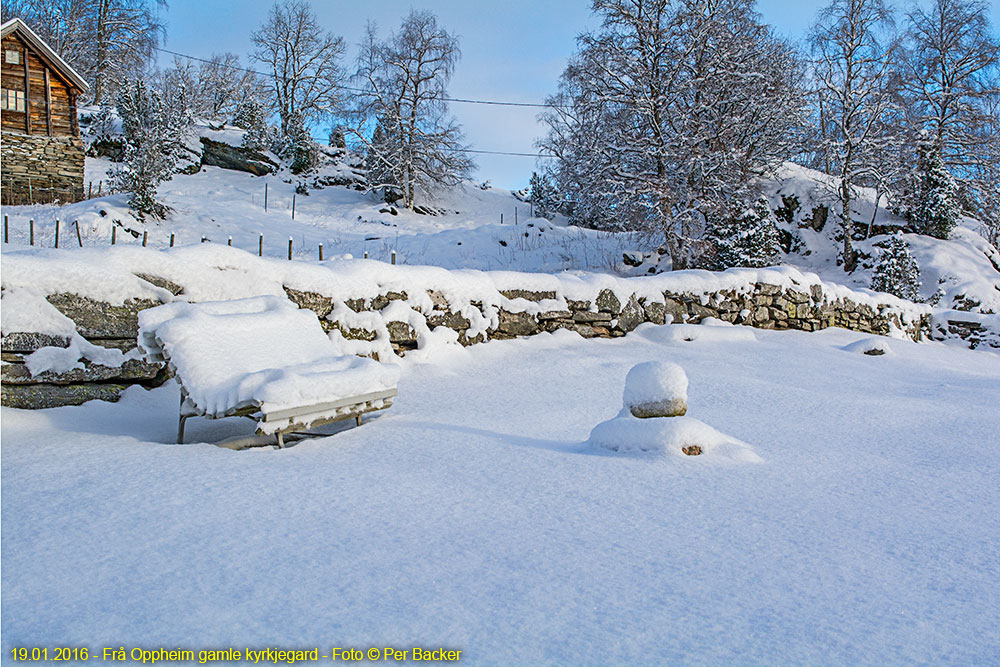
[394, 320]
[41, 169]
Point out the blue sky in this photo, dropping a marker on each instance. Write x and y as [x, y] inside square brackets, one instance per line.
[513, 50]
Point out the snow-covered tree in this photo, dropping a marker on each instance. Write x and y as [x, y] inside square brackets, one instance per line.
[667, 114]
[303, 62]
[543, 194]
[950, 70]
[251, 115]
[747, 238]
[951, 75]
[214, 87]
[854, 49]
[404, 79]
[104, 40]
[382, 160]
[300, 148]
[935, 204]
[153, 131]
[896, 272]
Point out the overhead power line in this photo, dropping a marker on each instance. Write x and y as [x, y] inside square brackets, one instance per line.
[499, 103]
[360, 90]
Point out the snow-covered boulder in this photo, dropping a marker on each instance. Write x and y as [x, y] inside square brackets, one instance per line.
[656, 389]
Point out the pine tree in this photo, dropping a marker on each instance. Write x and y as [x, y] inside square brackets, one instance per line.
[745, 239]
[252, 117]
[301, 149]
[543, 195]
[153, 132]
[896, 272]
[936, 209]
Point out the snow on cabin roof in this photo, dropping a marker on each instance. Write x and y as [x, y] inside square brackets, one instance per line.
[39, 44]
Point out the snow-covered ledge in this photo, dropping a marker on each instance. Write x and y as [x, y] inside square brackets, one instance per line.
[75, 298]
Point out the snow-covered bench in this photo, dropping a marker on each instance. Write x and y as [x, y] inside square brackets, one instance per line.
[262, 358]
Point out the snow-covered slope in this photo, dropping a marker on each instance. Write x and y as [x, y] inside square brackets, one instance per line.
[965, 268]
[481, 227]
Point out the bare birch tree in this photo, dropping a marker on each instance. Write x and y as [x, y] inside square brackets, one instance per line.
[303, 62]
[854, 50]
[402, 116]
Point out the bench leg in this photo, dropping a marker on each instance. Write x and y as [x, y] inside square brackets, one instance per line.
[358, 420]
[180, 430]
[281, 440]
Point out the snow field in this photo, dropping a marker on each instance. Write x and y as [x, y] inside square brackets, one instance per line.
[472, 515]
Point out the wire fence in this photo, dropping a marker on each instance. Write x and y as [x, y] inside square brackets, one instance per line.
[69, 234]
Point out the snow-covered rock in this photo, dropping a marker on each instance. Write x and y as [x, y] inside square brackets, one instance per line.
[656, 389]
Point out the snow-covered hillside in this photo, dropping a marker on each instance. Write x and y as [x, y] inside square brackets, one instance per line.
[965, 268]
[226, 206]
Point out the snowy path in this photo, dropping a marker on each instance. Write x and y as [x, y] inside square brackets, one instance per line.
[470, 516]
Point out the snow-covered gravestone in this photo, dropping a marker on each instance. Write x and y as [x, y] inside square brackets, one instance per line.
[656, 389]
[652, 419]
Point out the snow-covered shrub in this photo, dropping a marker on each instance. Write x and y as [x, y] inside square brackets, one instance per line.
[935, 207]
[544, 195]
[153, 130]
[252, 116]
[748, 239]
[896, 272]
[656, 389]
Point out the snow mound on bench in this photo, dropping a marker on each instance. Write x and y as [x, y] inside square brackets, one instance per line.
[257, 351]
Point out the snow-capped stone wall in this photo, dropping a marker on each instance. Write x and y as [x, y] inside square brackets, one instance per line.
[84, 301]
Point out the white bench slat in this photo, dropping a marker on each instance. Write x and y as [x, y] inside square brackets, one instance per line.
[324, 407]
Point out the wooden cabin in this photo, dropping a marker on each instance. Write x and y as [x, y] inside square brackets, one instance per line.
[42, 154]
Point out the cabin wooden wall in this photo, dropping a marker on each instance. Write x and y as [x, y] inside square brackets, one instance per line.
[51, 101]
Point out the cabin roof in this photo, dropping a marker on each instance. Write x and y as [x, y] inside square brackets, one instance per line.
[52, 58]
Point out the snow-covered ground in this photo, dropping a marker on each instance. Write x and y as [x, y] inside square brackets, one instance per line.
[472, 516]
[220, 204]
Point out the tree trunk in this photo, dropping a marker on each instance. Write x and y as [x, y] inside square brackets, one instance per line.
[847, 224]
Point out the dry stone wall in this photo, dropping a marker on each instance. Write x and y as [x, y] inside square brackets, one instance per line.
[394, 321]
[41, 169]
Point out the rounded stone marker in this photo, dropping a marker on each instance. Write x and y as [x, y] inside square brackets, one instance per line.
[656, 389]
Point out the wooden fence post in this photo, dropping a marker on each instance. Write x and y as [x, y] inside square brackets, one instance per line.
[79, 237]
[229, 241]
[6, 231]
[57, 233]
[321, 252]
[289, 247]
[31, 232]
[171, 239]
[393, 256]
[293, 206]
[265, 198]
[114, 233]
[145, 236]
[260, 245]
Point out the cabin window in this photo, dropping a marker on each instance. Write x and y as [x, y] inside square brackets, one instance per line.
[12, 100]
[13, 57]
